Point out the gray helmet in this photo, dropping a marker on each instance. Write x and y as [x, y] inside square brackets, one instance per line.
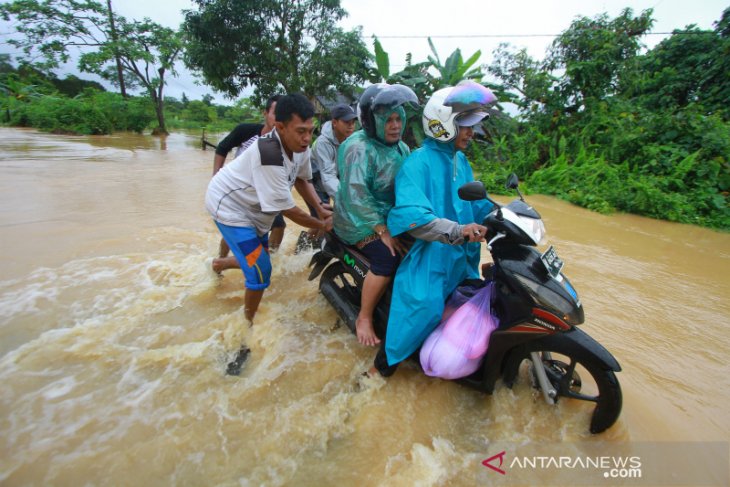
[382, 96]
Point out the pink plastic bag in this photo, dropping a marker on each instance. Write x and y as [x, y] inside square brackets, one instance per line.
[457, 346]
[461, 295]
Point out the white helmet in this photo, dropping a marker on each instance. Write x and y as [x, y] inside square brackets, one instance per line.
[449, 108]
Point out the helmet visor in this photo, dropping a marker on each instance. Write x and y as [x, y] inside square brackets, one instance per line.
[470, 119]
[468, 96]
[394, 96]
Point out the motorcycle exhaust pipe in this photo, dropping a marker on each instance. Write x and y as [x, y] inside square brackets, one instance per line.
[342, 306]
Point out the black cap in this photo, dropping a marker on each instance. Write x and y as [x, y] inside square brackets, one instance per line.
[343, 112]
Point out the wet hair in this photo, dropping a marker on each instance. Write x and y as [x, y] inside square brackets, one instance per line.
[270, 101]
[295, 103]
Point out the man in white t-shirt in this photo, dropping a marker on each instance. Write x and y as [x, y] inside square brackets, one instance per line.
[246, 194]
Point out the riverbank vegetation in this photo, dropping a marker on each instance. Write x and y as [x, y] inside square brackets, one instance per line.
[600, 121]
[610, 128]
[31, 98]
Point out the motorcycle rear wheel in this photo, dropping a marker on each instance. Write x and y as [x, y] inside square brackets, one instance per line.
[575, 374]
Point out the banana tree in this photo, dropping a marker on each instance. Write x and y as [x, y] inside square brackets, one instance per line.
[15, 91]
[455, 68]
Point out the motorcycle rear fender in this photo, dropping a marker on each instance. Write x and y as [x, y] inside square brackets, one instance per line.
[319, 261]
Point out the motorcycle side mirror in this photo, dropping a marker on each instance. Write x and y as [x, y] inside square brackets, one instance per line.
[473, 191]
[512, 182]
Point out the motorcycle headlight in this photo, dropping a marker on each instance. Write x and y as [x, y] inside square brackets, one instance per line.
[532, 227]
[535, 228]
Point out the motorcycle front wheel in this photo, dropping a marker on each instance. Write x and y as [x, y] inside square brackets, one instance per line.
[575, 374]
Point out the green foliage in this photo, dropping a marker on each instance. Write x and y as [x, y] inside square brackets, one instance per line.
[277, 46]
[200, 112]
[133, 114]
[455, 68]
[243, 111]
[690, 68]
[610, 129]
[382, 59]
[64, 115]
[72, 85]
[593, 53]
[122, 51]
[91, 113]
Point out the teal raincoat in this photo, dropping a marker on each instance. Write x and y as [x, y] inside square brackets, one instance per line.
[366, 192]
[426, 188]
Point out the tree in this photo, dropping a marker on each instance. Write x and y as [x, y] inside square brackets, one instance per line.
[117, 55]
[72, 85]
[690, 67]
[608, 128]
[521, 73]
[279, 45]
[145, 50]
[594, 52]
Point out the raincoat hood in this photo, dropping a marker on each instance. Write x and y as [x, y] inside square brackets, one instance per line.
[328, 133]
[381, 118]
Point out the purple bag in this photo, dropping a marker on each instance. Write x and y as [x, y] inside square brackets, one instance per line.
[457, 346]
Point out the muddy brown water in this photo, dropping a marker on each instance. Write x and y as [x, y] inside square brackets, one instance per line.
[114, 335]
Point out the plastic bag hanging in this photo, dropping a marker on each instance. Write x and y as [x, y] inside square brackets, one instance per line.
[457, 346]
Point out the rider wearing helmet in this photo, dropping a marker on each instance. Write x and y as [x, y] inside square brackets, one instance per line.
[428, 207]
[368, 161]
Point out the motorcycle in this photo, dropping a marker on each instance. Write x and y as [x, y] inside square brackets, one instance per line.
[538, 310]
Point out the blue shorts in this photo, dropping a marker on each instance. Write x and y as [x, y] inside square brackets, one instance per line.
[252, 253]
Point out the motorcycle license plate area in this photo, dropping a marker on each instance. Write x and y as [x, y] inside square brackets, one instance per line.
[552, 262]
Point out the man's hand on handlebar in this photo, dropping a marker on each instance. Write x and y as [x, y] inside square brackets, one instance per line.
[474, 232]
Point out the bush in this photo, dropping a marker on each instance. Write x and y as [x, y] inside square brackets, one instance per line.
[133, 114]
[92, 113]
[67, 115]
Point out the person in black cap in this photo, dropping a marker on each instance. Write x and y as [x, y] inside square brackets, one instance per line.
[324, 152]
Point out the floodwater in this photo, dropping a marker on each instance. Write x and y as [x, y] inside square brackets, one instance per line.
[115, 334]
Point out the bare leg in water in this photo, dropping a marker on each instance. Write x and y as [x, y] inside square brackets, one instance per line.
[223, 249]
[251, 300]
[275, 237]
[224, 263]
[372, 290]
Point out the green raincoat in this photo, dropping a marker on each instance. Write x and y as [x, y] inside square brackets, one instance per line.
[366, 193]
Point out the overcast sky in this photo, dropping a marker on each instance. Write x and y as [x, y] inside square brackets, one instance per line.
[522, 23]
